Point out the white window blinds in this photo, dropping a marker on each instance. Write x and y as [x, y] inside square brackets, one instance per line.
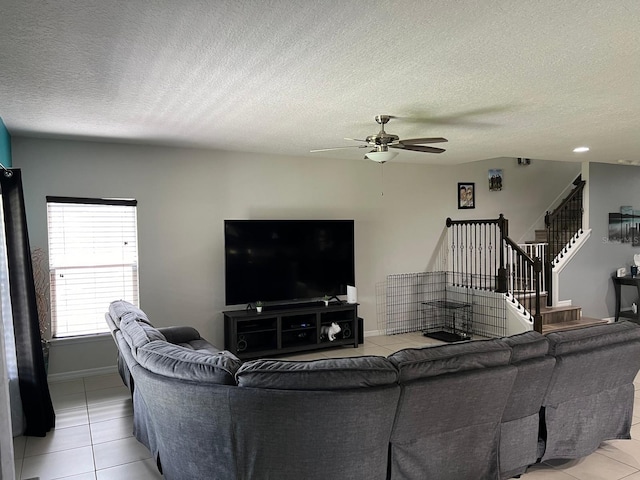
[93, 260]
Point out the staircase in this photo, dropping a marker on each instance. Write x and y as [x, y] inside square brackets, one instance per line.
[565, 317]
[481, 256]
[561, 227]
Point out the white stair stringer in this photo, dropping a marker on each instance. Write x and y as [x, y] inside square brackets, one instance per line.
[519, 320]
[563, 259]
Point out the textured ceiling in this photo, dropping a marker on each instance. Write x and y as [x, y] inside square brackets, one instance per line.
[498, 78]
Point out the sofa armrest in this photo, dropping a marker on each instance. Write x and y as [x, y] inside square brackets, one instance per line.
[178, 335]
[113, 327]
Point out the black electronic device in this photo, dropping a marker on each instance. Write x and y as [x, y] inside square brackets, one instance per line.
[287, 260]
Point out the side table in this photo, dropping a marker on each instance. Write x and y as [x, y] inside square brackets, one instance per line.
[618, 282]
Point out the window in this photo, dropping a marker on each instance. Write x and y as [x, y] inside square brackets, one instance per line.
[93, 260]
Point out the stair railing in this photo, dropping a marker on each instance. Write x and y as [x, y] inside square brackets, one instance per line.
[561, 226]
[525, 278]
[533, 251]
[481, 255]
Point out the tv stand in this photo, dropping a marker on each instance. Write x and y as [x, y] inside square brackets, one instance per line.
[298, 306]
[288, 329]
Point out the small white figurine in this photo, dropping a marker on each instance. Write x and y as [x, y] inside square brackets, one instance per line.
[330, 331]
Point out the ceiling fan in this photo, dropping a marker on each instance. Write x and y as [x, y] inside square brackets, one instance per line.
[383, 141]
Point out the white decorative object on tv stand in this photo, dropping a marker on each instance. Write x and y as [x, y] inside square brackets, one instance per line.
[352, 294]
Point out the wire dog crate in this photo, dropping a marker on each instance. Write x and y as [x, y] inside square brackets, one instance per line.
[448, 320]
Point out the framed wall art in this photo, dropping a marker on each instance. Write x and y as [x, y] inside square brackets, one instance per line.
[466, 195]
[495, 179]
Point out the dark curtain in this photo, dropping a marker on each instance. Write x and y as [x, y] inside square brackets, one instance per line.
[32, 377]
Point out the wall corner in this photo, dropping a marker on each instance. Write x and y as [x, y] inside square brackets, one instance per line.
[5, 145]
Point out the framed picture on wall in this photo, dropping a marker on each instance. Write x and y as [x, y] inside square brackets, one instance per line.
[495, 179]
[466, 195]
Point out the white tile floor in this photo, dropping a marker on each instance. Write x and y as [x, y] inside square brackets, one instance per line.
[93, 435]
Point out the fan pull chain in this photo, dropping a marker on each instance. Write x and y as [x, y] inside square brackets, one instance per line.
[382, 179]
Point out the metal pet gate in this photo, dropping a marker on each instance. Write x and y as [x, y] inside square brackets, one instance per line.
[431, 302]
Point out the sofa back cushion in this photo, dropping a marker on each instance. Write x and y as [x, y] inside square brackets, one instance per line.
[593, 359]
[591, 393]
[448, 419]
[138, 333]
[313, 434]
[583, 339]
[120, 309]
[528, 345]
[325, 374]
[184, 363]
[415, 363]
[535, 367]
[520, 425]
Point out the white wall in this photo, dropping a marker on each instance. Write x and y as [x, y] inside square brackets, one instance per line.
[185, 194]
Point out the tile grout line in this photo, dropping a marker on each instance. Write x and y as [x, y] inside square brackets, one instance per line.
[24, 448]
[93, 452]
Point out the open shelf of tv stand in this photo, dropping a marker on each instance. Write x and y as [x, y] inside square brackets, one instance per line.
[249, 334]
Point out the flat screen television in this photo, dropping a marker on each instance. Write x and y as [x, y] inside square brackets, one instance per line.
[287, 260]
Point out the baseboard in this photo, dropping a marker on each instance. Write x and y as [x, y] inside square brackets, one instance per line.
[564, 303]
[90, 372]
[373, 333]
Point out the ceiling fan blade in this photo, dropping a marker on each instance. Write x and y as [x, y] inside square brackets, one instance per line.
[418, 148]
[414, 141]
[337, 148]
[355, 140]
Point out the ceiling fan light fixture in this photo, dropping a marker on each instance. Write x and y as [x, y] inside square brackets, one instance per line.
[581, 149]
[381, 157]
[382, 141]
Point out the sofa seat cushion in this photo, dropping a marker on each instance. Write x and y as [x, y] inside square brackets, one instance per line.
[589, 338]
[415, 363]
[138, 333]
[324, 374]
[120, 309]
[174, 361]
[526, 346]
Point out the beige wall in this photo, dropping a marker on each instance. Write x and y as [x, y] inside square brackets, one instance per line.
[184, 195]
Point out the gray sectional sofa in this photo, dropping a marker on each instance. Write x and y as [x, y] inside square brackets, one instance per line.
[468, 411]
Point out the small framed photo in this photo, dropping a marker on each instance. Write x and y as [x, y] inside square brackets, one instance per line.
[495, 179]
[466, 195]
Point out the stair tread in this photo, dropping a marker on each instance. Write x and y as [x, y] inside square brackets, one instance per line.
[571, 325]
[567, 308]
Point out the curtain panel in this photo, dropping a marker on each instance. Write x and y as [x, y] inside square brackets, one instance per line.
[32, 377]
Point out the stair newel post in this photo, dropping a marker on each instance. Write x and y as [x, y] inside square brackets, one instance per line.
[503, 226]
[451, 242]
[537, 271]
[548, 255]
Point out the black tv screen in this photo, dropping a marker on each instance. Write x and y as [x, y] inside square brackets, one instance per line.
[287, 260]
